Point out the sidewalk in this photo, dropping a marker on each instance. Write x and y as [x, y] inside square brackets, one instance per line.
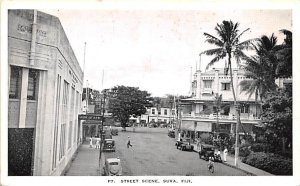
[241, 166]
[86, 162]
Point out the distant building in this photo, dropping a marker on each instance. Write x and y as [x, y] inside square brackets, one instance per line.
[45, 89]
[198, 113]
[163, 112]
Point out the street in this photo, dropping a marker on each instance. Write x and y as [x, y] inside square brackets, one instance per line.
[155, 154]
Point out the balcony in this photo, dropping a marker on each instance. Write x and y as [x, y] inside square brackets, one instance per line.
[222, 118]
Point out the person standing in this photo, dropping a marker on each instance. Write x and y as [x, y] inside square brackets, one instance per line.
[98, 144]
[91, 142]
[225, 152]
[128, 142]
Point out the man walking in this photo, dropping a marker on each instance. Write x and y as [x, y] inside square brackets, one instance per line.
[128, 142]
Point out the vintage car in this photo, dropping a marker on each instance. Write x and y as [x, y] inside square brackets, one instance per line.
[185, 146]
[114, 132]
[109, 145]
[112, 167]
[206, 151]
[178, 143]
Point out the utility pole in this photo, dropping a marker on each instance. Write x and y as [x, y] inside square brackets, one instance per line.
[101, 126]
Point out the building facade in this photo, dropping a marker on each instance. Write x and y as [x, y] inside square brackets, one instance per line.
[45, 89]
[198, 113]
[163, 114]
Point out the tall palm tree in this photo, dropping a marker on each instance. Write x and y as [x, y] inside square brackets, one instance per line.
[261, 69]
[228, 45]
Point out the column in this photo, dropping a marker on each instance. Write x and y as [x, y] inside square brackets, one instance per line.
[198, 88]
[216, 82]
[23, 97]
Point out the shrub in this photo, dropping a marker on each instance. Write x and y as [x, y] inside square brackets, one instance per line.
[270, 162]
[244, 151]
[260, 147]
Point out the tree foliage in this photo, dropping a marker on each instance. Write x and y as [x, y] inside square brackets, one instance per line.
[285, 56]
[260, 68]
[124, 102]
[277, 112]
[228, 44]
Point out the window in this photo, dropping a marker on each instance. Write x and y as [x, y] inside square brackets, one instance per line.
[70, 134]
[159, 112]
[207, 83]
[225, 86]
[62, 141]
[32, 84]
[57, 111]
[15, 82]
[244, 108]
[153, 111]
[165, 112]
[64, 120]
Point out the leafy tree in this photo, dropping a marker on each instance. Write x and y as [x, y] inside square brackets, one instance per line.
[228, 45]
[124, 102]
[277, 112]
[285, 55]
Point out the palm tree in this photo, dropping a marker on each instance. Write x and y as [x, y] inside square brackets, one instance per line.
[228, 45]
[261, 69]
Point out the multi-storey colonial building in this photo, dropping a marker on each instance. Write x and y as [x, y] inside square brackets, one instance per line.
[45, 88]
[198, 114]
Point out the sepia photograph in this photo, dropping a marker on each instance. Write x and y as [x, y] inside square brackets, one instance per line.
[140, 93]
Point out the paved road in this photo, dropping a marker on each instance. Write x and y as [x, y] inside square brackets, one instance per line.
[154, 154]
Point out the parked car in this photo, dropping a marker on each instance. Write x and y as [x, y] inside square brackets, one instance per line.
[171, 133]
[109, 145]
[178, 143]
[186, 146]
[163, 125]
[112, 167]
[114, 132]
[206, 151]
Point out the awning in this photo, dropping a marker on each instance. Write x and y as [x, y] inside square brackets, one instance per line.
[204, 126]
[188, 125]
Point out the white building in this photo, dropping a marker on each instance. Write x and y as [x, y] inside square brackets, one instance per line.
[45, 89]
[162, 114]
[198, 114]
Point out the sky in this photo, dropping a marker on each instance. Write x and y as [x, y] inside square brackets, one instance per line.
[155, 50]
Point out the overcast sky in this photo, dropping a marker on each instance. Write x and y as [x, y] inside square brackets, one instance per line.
[155, 49]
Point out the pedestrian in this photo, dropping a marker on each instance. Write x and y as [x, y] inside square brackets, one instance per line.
[225, 154]
[98, 144]
[198, 143]
[91, 142]
[210, 165]
[128, 142]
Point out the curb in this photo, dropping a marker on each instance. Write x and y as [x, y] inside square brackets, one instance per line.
[232, 166]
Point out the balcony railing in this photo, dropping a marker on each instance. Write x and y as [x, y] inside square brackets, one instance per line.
[214, 116]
